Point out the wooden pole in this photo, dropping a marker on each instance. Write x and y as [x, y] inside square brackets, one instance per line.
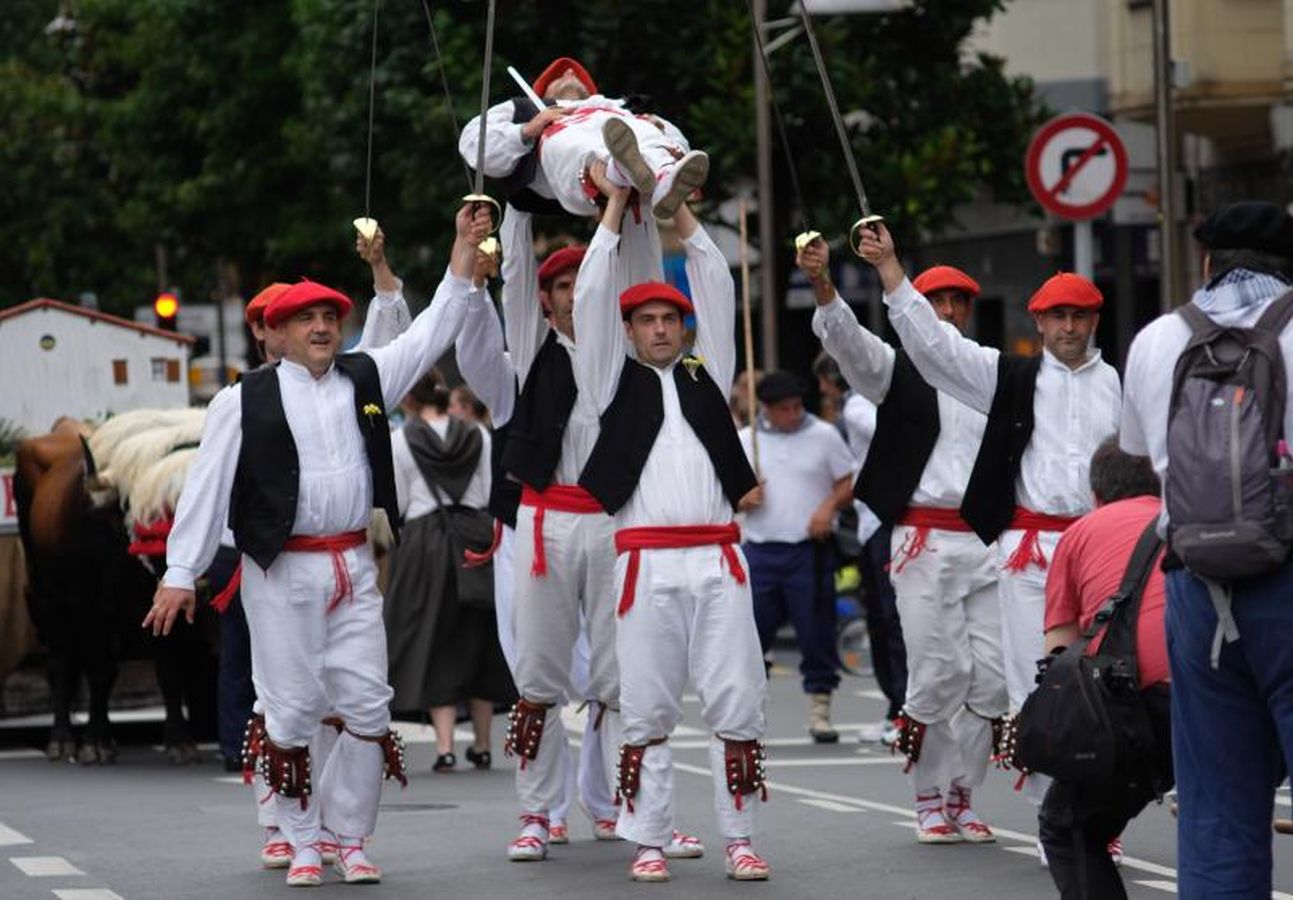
[749, 335]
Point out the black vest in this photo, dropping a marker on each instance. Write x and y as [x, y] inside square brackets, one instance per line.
[906, 429]
[542, 412]
[516, 185]
[632, 422]
[504, 492]
[262, 505]
[989, 502]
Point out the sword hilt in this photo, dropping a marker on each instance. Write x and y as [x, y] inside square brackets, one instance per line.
[805, 238]
[495, 211]
[855, 233]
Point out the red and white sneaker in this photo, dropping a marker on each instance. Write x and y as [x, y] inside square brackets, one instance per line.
[328, 846]
[604, 830]
[676, 181]
[306, 869]
[743, 864]
[684, 846]
[1115, 851]
[558, 834]
[931, 826]
[276, 852]
[532, 844]
[960, 815]
[649, 865]
[353, 866]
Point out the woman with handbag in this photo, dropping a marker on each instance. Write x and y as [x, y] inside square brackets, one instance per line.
[441, 632]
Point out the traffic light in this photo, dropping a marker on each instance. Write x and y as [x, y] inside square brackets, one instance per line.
[165, 308]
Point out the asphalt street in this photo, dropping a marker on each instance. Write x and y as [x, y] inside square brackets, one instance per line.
[838, 824]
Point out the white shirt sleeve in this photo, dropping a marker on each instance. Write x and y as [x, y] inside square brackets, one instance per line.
[204, 503]
[864, 359]
[404, 360]
[504, 145]
[522, 312]
[598, 324]
[1131, 431]
[714, 296]
[405, 469]
[839, 458]
[859, 422]
[483, 361]
[945, 358]
[387, 318]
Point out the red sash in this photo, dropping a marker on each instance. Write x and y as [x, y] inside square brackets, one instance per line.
[1029, 551]
[334, 544]
[569, 498]
[634, 540]
[924, 519]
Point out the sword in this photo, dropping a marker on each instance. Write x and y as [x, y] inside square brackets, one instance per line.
[367, 225]
[868, 219]
[478, 195]
[526, 89]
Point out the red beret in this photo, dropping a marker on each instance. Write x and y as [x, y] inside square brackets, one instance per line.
[653, 290]
[556, 68]
[559, 261]
[945, 278]
[1066, 289]
[304, 294]
[255, 310]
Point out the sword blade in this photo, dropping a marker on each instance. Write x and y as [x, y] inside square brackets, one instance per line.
[840, 131]
[478, 185]
[444, 83]
[526, 89]
[372, 95]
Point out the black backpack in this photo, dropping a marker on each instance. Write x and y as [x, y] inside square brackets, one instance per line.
[1228, 491]
[1086, 721]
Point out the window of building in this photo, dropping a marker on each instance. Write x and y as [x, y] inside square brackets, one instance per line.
[119, 371]
[158, 366]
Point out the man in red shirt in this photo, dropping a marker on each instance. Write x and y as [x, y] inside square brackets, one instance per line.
[1087, 569]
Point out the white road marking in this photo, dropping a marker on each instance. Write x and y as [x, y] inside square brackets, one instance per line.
[870, 694]
[833, 761]
[21, 754]
[44, 866]
[87, 894]
[829, 804]
[1169, 886]
[9, 837]
[228, 779]
[1128, 862]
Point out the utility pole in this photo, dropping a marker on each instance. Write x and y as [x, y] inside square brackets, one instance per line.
[1169, 278]
[767, 230]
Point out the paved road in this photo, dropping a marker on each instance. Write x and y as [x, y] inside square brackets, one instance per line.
[838, 825]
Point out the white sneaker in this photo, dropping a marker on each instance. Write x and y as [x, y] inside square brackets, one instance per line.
[1041, 854]
[558, 834]
[532, 843]
[353, 866]
[649, 865]
[743, 864]
[306, 869]
[676, 182]
[684, 846]
[628, 168]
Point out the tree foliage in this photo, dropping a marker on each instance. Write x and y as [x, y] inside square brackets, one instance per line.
[236, 132]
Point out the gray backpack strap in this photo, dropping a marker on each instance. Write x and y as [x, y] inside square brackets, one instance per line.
[1277, 314]
[1200, 325]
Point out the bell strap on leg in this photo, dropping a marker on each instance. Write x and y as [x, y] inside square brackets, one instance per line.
[743, 768]
[630, 771]
[525, 730]
[911, 737]
[253, 744]
[286, 770]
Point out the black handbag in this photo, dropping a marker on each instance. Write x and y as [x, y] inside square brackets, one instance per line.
[467, 528]
[1087, 721]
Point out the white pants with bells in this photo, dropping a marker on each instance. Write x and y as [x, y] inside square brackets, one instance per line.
[307, 663]
[548, 611]
[689, 618]
[951, 625]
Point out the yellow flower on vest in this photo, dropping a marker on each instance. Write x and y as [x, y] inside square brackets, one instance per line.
[692, 363]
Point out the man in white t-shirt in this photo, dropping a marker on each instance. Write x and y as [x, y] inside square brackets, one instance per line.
[806, 471]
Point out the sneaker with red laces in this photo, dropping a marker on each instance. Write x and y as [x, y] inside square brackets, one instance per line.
[931, 825]
[276, 852]
[353, 866]
[532, 844]
[1114, 849]
[558, 834]
[604, 830]
[958, 812]
[649, 865]
[306, 869]
[743, 864]
[328, 847]
[684, 846]
[676, 182]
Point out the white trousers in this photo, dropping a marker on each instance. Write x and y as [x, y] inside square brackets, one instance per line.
[689, 618]
[550, 613]
[1023, 617]
[306, 663]
[566, 152]
[951, 626]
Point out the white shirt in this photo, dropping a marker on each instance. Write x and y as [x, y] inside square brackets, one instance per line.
[505, 145]
[866, 362]
[799, 470]
[1151, 363]
[483, 359]
[415, 497]
[1073, 409]
[678, 485]
[335, 485]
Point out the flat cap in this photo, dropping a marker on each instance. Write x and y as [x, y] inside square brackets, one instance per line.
[1248, 225]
